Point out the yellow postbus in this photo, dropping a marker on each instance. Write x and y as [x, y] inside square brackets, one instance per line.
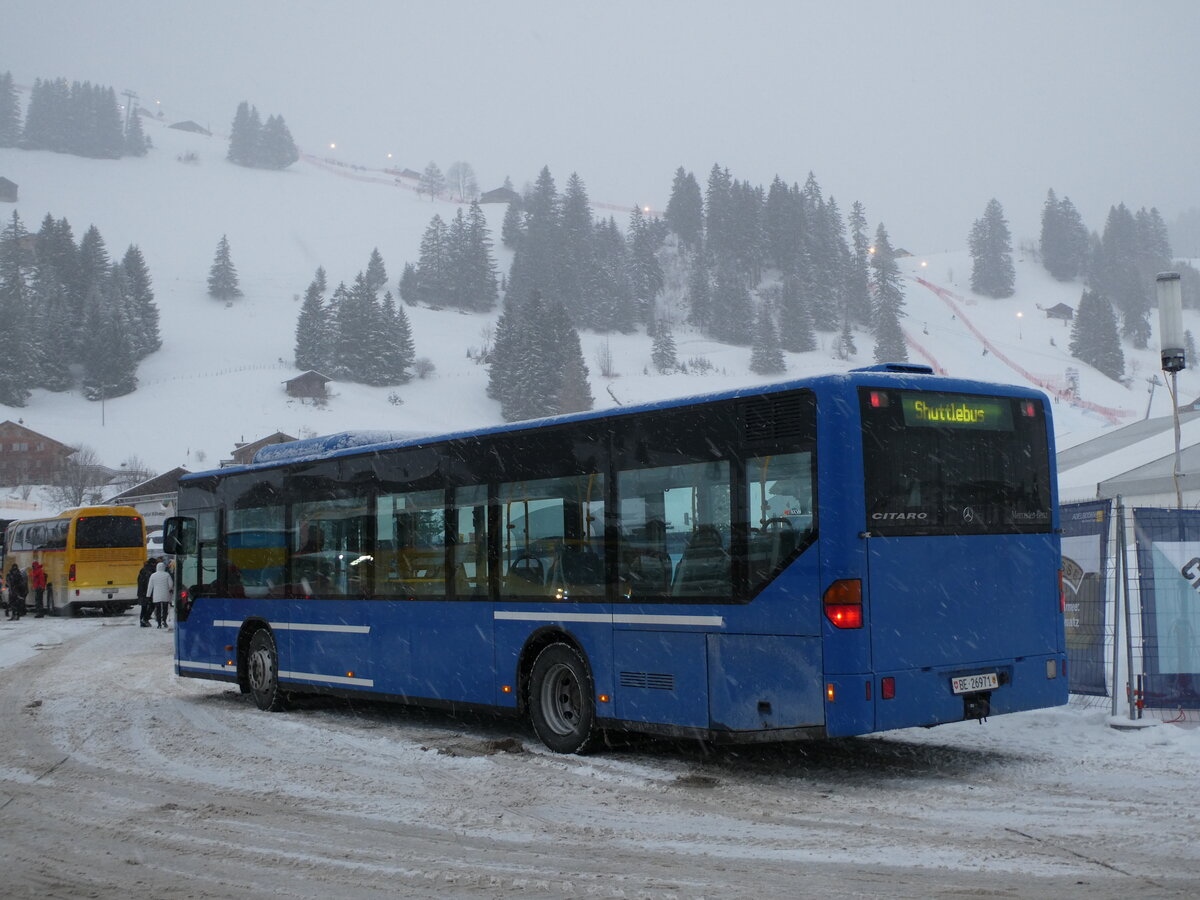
[91, 556]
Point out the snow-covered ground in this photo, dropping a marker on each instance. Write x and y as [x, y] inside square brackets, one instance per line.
[119, 780]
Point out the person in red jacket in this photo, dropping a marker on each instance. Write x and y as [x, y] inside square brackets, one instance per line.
[37, 582]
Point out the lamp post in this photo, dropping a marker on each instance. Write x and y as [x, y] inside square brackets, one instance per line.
[1020, 315]
[1171, 341]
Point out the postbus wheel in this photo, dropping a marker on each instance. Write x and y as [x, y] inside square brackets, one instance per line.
[561, 705]
[262, 672]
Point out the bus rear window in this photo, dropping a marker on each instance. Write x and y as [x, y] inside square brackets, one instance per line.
[940, 463]
[100, 532]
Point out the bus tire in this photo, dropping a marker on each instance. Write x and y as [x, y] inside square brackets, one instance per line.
[561, 700]
[262, 672]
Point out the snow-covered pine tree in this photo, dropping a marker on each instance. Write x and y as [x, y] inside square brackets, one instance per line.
[685, 210]
[889, 339]
[613, 291]
[433, 274]
[142, 312]
[15, 361]
[109, 367]
[376, 274]
[573, 392]
[844, 347]
[312, 327]
[577, 266]
[479, 267]
[1094, 337]
[513, 227]
[222, 275]
[889, 301]
[244, 135]
[795, 320]
[1116, 275]
[663, 352]
[859, 306]
[765, 356]
[700, 294]
[10, 112]
[733, 313]
[276, 149]
[537, 258]
[401, 353]
[645, 273]
[990, 243]
[136, 143]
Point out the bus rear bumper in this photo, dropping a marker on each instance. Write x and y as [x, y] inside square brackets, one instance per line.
[922, 697]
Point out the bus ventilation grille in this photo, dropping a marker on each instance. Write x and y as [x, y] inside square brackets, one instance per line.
[774, 418]
[654, 680]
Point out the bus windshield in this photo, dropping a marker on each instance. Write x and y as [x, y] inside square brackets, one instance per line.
[102, 532]
[941, 463]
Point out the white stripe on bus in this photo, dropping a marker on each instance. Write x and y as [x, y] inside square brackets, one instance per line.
[336, 679]
[299, 626]
[611, 618]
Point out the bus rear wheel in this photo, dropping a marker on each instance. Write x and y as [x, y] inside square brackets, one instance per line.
[262, 672]
[561, 705]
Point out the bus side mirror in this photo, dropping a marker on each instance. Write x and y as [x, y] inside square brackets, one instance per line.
[179, 536]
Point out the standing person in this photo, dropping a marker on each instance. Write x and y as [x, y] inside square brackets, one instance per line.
[160, 587]
[143, 594]
[37, 582]
[17, 589]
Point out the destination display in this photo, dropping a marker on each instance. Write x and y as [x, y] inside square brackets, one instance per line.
[957, 411]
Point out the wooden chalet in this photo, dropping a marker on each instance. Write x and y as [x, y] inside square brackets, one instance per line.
[27, 457]
[309, 384]
[243, 453]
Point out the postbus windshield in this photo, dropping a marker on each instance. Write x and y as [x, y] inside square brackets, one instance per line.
[942, 463]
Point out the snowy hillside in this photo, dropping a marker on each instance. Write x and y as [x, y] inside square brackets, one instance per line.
[218, 378]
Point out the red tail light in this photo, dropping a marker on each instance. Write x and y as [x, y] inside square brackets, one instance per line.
[843, 603]
[887, 687]
[71, 574]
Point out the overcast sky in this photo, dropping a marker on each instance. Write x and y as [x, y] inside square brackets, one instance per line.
[923, 111]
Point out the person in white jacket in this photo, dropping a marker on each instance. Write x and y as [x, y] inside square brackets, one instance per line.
[159, 589]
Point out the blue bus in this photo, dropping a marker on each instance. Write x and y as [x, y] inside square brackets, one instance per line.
[823, 557]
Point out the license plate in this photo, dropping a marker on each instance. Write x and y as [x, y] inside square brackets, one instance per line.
[966, 684]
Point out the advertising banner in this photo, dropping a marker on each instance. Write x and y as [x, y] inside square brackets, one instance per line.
[1168, 549]
[1084, 562]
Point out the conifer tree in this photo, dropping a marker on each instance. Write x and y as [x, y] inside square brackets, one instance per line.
[244, 135]
[1094, 337]
[536, 264]
[1116, 275]
[765, 357]
[10, 112]
[312, 327]
[700, 294]
[663, 352]
[885, 276]
[433, 281]
[612, 292]
[889, 338]
[858, 305]
[109, 367]
[478, 268]
[15, 363]
[795, 320]
[685, 210]
[513, 226]
[222, 276]
[844, 347]
[142, 312]
[992, 272]
[732, 311]
[410, 285]
[401, 353]
[573, 393]
[275, 149]
[136, 142]
[376, 275]
[645, 273]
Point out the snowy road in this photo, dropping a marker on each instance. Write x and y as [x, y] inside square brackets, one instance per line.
[119, 780]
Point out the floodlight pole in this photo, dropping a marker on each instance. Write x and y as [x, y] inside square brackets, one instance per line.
[1171, 340]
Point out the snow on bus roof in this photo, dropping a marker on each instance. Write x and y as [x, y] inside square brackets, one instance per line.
[315, 447]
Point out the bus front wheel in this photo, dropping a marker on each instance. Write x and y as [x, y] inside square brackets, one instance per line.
[262, 672]
[561, 705]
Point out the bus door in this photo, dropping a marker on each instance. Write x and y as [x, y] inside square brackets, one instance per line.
[328, 627]
[432, 624]
[200, 606]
